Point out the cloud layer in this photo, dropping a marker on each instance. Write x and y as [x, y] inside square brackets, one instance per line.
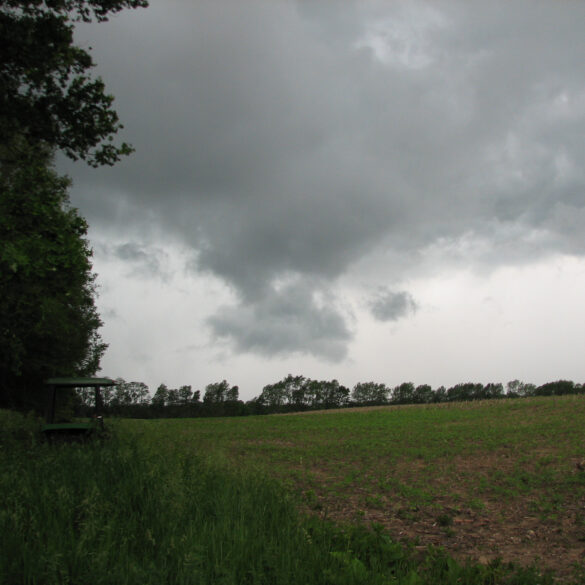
[388, 305]
[285, 142]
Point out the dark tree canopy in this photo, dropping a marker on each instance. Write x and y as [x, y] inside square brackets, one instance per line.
[49, 101]
[47, 95]
[48, 319]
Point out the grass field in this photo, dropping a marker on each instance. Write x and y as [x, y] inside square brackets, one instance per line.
[224, 500]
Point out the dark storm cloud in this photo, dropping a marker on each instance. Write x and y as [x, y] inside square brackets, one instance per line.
[288, 320]
[387, 305]
[275, 138]
[143, 261]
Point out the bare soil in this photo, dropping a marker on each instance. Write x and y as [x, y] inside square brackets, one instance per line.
[519, 501]
[512, 529]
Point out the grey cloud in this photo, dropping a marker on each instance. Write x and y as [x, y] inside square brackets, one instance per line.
[110, 314]
[271, 140]
[142, 260]
[387, 305]
[288, 320]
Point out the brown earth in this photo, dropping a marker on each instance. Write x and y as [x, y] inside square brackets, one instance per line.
[512, 529]
[473, 514]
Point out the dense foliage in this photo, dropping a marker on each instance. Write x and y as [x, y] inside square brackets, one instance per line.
[48, 102]
[48, 319]
[47, 95]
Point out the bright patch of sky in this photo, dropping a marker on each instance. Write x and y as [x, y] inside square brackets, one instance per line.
[404, 39]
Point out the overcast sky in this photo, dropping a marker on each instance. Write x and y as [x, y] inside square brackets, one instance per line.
[388, 191]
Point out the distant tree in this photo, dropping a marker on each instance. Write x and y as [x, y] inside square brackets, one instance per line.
[185, 394]
[129, 393]
[316, 393]
[423, 394]
[558, 388]
[173, 396]
[86, 397]
[465, 391]
[160, 397]
[219, 392]
[232, 394]
[518, 389]
[288, 391]
[440, 394]
[513, 388]
[403, 394]
[256, 406]
[313, 393]
[493, 390]
[296, 386]
[107, 393]
[370, 393]
[274, 395]
[334, 395]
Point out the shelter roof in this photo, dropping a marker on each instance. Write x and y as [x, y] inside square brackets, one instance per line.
[80, 382]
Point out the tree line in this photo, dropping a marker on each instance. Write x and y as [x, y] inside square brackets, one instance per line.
[298, 394]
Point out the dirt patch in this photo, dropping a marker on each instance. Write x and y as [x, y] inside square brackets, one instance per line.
[525, 529]
[506, 481]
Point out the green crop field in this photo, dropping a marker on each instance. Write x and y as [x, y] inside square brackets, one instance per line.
[414, 494]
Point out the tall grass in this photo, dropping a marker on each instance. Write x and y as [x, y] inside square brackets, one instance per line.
[135, 511]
